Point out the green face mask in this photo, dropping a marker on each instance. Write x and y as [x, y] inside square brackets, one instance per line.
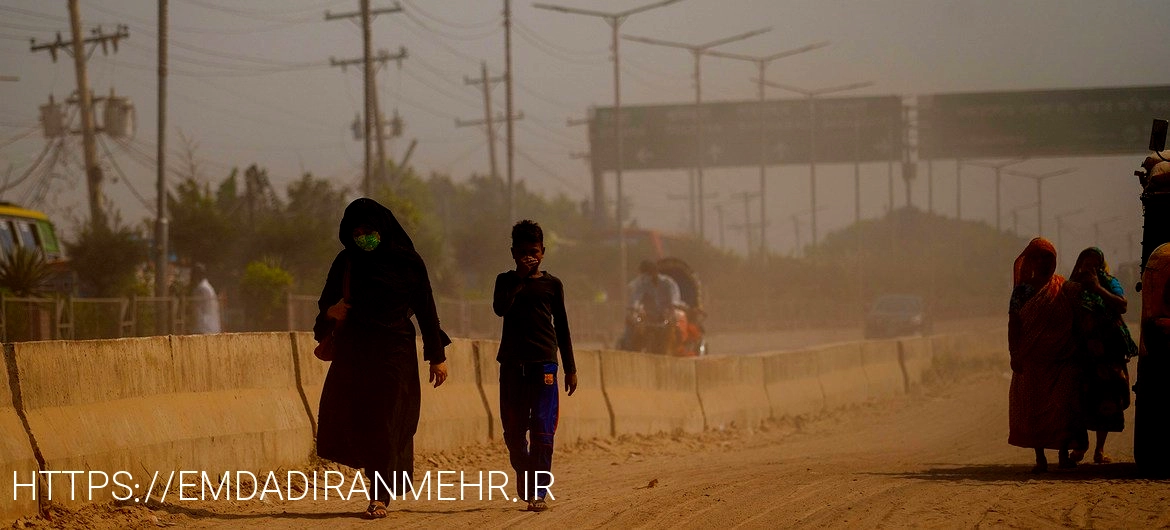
[368, 242]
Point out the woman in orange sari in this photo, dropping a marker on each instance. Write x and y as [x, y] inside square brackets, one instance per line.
[1043, 400]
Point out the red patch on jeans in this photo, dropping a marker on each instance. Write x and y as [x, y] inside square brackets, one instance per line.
[548, 379]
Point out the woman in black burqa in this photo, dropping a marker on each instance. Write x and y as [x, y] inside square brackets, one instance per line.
[370, 401]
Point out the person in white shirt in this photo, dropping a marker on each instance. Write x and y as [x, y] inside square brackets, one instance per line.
[656, 293]
[204, 302]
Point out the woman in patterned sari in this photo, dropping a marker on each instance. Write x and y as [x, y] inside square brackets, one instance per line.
[1105, 347]
[1043, 400]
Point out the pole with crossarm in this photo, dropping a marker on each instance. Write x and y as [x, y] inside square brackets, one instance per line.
[762, 65]
[812, 135]
[615, 21]
[697, 53]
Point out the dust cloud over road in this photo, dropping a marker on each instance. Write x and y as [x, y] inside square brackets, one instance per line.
[935, 458]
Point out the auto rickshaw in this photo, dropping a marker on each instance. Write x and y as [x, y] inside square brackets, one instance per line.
[679, 333]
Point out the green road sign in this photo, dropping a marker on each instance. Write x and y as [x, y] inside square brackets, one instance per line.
[1091, 122]
[742, 133]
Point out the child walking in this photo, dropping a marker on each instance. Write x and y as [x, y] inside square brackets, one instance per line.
[532, 303]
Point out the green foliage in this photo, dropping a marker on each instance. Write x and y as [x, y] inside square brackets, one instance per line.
[107, 258]
[24, 272]
[263, 287]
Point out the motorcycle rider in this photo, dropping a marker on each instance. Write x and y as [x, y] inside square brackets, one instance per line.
[653, 294]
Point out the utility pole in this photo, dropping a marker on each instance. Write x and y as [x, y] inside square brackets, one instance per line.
[959, 190]
[700, 141]
[599, 217]
[508, 75]
[762, 66]
[161, 281]
[1097, 228]
[812, 139]
[615, 21]
[76, 48]
[719, 215]
[371, 120]
[690, 213]
[747, 197]
[485, 84]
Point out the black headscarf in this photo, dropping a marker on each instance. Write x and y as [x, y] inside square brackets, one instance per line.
[367, 211]
[394, 262]
[387, 283]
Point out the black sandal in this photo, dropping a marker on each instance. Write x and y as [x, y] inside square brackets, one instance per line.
[376, 510]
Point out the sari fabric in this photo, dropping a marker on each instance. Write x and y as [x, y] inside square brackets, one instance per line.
[1105, 345]
[1043, 403]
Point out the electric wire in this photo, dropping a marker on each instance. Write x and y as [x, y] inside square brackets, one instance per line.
[460, 25]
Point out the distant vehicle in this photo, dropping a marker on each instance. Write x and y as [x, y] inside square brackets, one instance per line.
[31, 229]
[894, 315]
[679, 333]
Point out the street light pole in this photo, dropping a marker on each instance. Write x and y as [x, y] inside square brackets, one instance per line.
[1039, 178]
[998, 175]
[1097, 228]
[615, 21]
[1060, 228]
[812, 150]
[762, 65]
[700, 142]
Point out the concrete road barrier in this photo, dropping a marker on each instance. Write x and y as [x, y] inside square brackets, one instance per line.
[452, 415]
[883, 371]
[792, 383]
[731, 391]
[489, 384]
[842, 375]
[209, 403]
[651, 393]
[586, 413]
[311, 373]
[16, 455]
[917, 358]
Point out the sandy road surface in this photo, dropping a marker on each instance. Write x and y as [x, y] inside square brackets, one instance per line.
[934, 459]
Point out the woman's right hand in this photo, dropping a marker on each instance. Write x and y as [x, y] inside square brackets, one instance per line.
[338, 311]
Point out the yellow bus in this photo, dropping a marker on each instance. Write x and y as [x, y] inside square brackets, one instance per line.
[31, 229]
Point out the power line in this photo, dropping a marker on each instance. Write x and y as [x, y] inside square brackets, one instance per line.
[192, 29]
[596, 53]
[118, 169]
[460, 25]
[262, 14]
[551, 52]
[424, 25]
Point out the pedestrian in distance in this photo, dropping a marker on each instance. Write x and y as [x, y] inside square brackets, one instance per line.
[371, 397]
[532, 303]
[204, 302]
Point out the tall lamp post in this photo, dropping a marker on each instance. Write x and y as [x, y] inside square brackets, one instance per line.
[1060, 228]
[1039, 178]
[615, 21]
[1016, 216]
[998, 177]
[812, 136]
[1097, 228]
[762, 65]
[697, 53]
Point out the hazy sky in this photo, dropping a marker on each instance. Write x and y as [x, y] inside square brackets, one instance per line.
[251, 83]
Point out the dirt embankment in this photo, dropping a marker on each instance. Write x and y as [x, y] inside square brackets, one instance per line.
[936, 458]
